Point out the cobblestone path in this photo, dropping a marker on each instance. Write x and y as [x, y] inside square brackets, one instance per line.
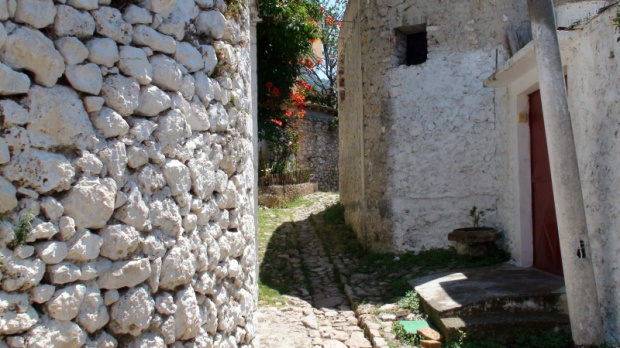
[317, 312]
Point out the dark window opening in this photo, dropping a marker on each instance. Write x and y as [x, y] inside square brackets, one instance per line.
[411, 44]
[417, 48]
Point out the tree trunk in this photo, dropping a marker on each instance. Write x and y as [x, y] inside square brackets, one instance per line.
[583, 304]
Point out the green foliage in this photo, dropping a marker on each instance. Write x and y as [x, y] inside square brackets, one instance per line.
[405, 337]
[410, 301]
[616, 20]
[476, 215]
[546, 339]
[333, 124]
[234, 8]
[283, 40]
[20, 234]
[467, 340]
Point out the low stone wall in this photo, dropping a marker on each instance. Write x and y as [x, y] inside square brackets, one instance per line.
[278, 195]
[126, 142]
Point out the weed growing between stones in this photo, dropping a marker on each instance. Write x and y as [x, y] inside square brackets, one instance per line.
[404, 336]
[410, 301]
[20, 234]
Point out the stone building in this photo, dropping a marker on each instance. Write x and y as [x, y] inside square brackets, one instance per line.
[126, 142]
[438, 113]
[319, 146]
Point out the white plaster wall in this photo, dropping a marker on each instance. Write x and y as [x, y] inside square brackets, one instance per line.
[445, 144]
[594, 101]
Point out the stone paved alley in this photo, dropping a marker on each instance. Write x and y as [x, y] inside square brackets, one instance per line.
[324, 319]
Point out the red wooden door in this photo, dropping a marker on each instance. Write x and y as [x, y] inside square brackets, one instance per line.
[547, 255]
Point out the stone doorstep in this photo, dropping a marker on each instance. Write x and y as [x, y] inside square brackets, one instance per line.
[503, 327]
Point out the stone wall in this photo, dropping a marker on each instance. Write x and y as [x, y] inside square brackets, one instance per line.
[594, 103]
[127, 135]
[428, 132]
[319, 148]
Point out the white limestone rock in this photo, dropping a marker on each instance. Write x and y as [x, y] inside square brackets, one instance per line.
[84, 246]
[154, 248]
[172, 131]
[103, 51]
[119, 241]
[51, 252]
[4, 10]
[84, 4]
[93, 314]
[142, 129]
[64, 273]
[67, 227]
[71, 22]
[204, 283]
[198, 118]
[188, 86]
[204, 87]
[65, 303]
[165, 304]
[153, 280]
[103, 340]
[85, 78]
[36, 13]
[166, 73]
[55, 333]
[110, 23]
[115, 159]
[135, 212]
[111, 296]
[168, 330]
[13, 82]
[165, 215]
[210, 58]
[134, 63]
[149, 340]
[121, 94]
[147, 36]
[178, 267]
[211, 23]
[93, 104]
[189, 57]
[58, 118]
[23, 251]
[89, 164]
[72, 50]
[137, 157]
[203, 177]
[42, 293]
[16, 314]
[13, 113]
[125, 274]
[109, 123]
[90, 202]
[20, 274]
[152, 101]
[150, 179]
[40, 170]
[137, 15]
[8, 199]
[187, 316]
[29, 49]
[177, 176]
[218, 117]
[89, 271]
[174, 25]
[162, 7]
[52, 208]
[132, 313]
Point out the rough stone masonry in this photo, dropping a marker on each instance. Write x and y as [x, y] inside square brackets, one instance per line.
[126, 131]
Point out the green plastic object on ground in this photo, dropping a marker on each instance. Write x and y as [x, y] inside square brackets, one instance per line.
[412, 326]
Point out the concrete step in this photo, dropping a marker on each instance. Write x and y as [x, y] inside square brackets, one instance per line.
[503, 328]
[497, 289]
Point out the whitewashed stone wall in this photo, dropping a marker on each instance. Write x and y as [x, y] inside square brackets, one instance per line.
[429, 133]
[594, 102]
[126, 130]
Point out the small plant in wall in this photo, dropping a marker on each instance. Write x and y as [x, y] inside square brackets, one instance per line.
[20, 234]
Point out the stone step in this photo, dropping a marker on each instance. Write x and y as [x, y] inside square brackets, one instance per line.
[497, 289]
[503, 327]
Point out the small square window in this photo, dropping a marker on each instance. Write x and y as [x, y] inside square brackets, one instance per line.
[412, 45]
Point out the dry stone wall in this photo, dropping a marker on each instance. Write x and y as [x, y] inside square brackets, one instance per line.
[126, 134]
[319, 149]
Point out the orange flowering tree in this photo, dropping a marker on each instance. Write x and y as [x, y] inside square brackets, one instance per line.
[322, 73]
[284, 40]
